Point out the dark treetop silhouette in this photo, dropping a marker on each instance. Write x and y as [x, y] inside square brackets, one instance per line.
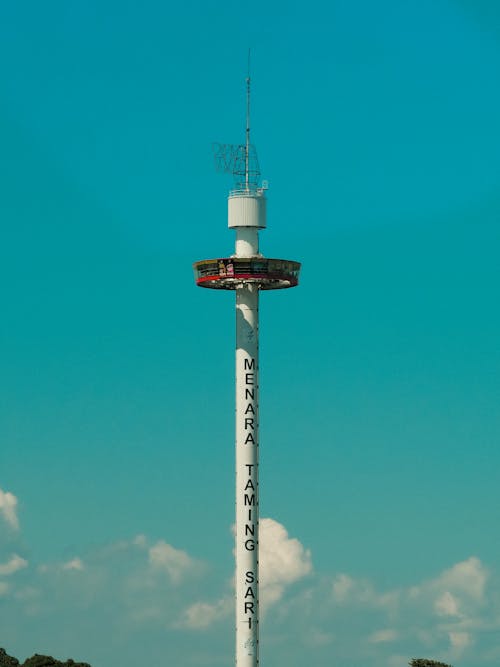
[423, 662]
[37, 661]
[48, 661]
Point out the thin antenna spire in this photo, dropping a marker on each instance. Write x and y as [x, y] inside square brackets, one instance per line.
[240, 159]
[247, 142]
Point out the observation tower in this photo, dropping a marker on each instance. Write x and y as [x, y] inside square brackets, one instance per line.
[246, 272]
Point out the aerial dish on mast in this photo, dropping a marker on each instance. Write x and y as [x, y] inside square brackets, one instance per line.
[241, 161]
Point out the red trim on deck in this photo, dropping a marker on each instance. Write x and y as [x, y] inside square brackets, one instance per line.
[259, 277]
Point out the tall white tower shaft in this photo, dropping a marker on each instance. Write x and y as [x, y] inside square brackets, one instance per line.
[247, 461]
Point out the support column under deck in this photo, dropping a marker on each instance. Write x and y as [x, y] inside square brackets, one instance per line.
[247, 476]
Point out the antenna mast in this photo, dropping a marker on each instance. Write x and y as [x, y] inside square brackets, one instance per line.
[247, 144]
[241, 159]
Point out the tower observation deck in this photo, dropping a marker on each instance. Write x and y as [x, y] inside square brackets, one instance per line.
[247, 272]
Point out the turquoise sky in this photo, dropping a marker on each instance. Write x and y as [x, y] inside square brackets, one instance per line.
[377, 128]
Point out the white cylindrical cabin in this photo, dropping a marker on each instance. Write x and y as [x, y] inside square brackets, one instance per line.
[246, 215]
[246, 208]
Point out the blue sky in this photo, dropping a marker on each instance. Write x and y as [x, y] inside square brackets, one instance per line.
[377, 128]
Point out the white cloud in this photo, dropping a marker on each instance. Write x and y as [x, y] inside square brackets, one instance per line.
[283, 560]
[13, 565]
[74, 564]
[458, 596]
[175, 562]
[441, 616]
[316, 638]
[459, 640]
[445, 616]
[387, 635]
[8, 508]
[201, 615]
[467, 578]
[347, 590]
[447, 605]
[342, 586]
[140, 541]
[27, 593]
[457, 592]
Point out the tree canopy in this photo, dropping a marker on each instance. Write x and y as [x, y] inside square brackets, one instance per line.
[424, 662]
[37, 661]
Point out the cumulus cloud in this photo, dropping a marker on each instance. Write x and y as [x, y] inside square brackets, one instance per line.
[349, 591]
[459, 641]
[8, 509]
[446, 605]
[175, 562]
[444, 614]
[457, 592]
[283, 561]
[467, 578]
[202, 615]
[342, 586]
[387, 635]
[74, 564]
[14, 564]
[140, 541]
[316, 638]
